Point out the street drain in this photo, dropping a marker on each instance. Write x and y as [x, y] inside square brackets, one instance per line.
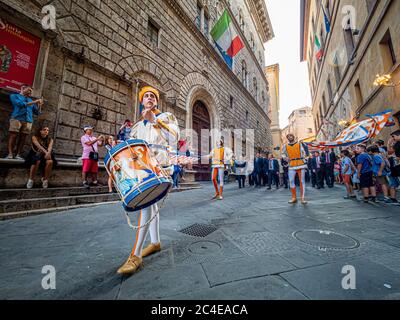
[204, 247]
[199, 230]
[326, 240]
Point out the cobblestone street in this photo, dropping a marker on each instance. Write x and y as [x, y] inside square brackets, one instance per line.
[257, 247]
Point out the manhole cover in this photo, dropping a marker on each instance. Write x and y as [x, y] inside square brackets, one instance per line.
[326, 239]
[204, 247]
[199, 230]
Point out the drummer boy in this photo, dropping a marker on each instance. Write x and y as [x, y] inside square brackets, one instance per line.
[160, 129]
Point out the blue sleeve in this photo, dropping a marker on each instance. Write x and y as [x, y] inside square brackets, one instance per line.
[17, 101]
[35, 109]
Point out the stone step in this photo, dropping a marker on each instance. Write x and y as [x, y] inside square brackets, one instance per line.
[40, 201]
[28, 213]
[181, 189]
[8, 194]
[15, 205]
[189, 184]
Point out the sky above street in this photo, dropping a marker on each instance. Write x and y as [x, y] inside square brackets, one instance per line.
[285, 50]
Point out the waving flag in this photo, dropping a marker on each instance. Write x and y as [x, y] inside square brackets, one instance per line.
[226, 38]
[327, 22]
[319, 51]
[359, 132]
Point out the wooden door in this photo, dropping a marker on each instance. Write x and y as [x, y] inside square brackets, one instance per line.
[201, 121]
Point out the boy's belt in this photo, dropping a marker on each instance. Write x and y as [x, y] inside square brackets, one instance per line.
[295, 159]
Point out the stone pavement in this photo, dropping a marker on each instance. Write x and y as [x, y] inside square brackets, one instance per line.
[260, 247]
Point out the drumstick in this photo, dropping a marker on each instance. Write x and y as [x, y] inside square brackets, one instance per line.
[166, 127]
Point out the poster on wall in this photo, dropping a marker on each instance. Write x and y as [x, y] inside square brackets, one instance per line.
[19, 51]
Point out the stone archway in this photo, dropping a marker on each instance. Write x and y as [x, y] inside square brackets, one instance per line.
[196, 87]
[69, 28]
[135, 65]
[146, 72]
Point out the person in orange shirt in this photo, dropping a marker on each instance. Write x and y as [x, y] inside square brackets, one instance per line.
[218, 166]
[296, 152]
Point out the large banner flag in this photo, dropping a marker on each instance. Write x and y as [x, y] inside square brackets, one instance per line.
[359, 132]
[226, 38]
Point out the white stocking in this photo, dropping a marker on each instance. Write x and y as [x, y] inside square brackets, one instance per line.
[141, 234]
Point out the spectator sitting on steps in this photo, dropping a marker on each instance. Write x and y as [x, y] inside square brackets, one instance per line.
[21, 119]
[41, 156]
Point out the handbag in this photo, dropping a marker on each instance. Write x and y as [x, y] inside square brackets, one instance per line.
[93, 155]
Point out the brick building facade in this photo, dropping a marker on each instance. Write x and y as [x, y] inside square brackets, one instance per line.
[363, 42]
[90, 67]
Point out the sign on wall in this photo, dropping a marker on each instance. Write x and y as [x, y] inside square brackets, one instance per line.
[19, 51]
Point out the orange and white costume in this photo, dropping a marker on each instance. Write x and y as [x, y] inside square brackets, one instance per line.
[218, 168]
[296, 153]
[220, 156]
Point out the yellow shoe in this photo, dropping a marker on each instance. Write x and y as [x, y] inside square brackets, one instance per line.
[303, 201]
[293, 201]
[150, 249]
[131, 265]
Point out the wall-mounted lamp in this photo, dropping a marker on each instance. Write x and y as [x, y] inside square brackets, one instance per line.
[97, 113]
[385, 80]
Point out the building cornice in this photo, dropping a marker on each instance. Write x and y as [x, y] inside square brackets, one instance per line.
[259, 11]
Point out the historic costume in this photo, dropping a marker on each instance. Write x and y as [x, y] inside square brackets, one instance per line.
[296, 152]
[160, 134]
[220, 156]
[218, 168]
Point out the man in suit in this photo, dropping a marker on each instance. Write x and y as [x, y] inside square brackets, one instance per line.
[258, 167]
[330, 159]
[264, 169]
[318, 167]
[312, 173]
[285, 166]
[273, 171]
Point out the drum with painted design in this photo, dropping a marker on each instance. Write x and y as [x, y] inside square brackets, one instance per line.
[137, 175]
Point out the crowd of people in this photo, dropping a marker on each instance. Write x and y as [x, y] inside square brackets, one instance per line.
[369, 169]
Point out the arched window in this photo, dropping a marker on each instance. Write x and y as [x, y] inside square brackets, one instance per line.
[255, 86]
[252, 42]
[206, 29]
[244, 74]
[241, 20]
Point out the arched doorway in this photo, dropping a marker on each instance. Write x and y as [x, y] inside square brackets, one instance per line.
[201, 120]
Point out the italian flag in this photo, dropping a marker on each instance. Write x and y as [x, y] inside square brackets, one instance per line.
[226, 38]
[318, 49]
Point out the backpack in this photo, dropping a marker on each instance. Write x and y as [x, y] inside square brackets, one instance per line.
[386, 170]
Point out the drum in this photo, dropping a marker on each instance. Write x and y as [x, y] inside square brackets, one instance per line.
[137, 175]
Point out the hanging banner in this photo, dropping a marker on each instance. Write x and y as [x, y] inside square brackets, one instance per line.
[19, 51]
[359, 132]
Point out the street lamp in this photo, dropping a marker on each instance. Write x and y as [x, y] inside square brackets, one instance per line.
[385, 80]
